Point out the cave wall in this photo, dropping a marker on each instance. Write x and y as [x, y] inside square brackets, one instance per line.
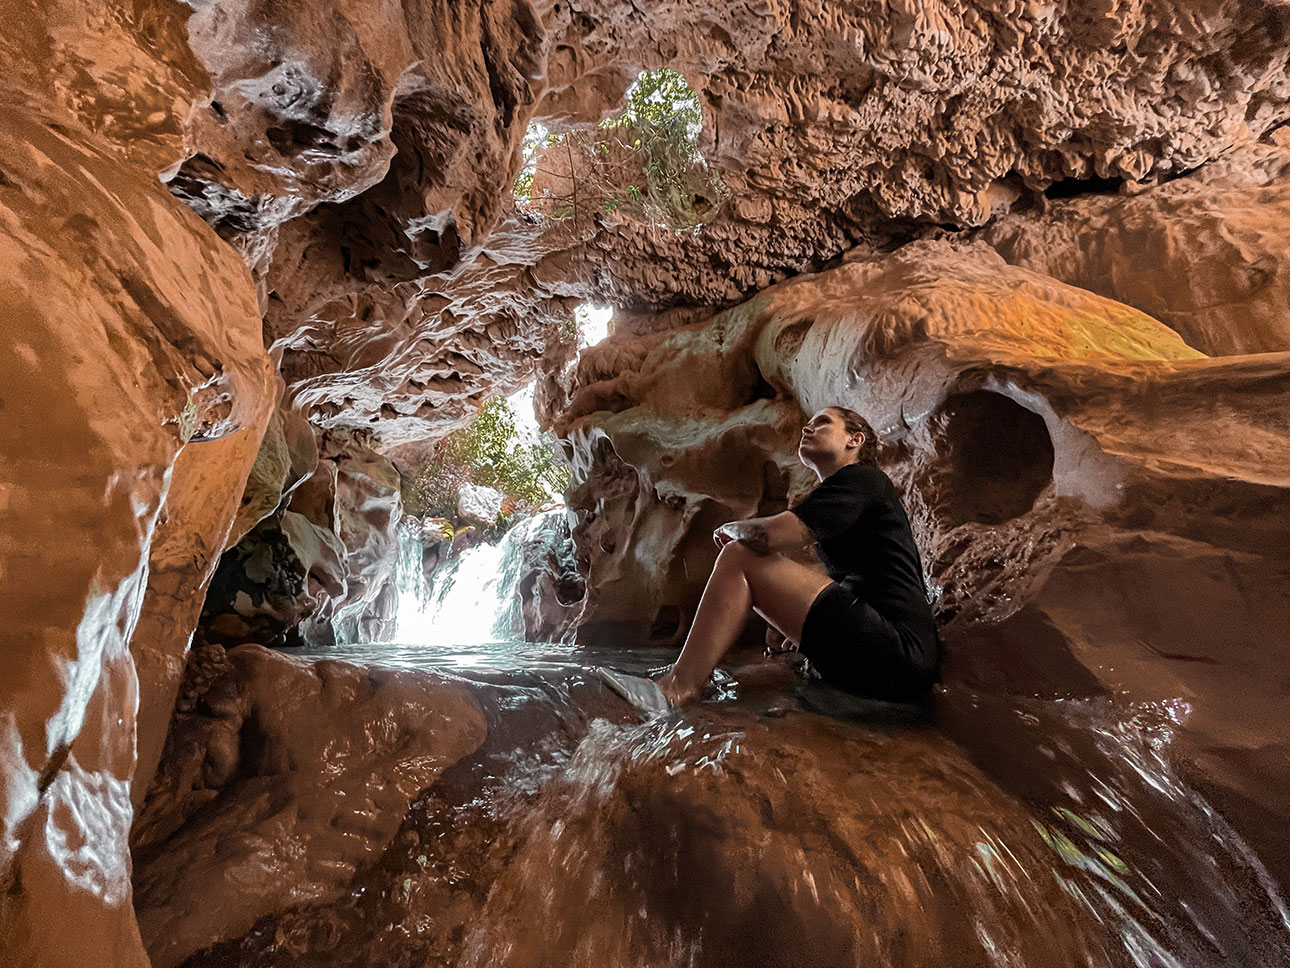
[1205, 254]
[138, 388]
[317, 562]
[361, 158]
[134, 337]
[838, 125]
[206, 483]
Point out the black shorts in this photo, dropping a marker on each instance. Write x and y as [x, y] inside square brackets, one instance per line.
[855, 648]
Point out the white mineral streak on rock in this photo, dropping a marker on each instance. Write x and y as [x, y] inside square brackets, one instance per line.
[87, 831]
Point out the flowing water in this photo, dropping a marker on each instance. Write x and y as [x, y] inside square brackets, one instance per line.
[472, 599]
[784, 823]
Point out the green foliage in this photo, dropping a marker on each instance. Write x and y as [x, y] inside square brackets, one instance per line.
[571, 331]
[490, 452]
[432, 490]
[644, 162]
[660, 126]
[524, 184]
[662, 99]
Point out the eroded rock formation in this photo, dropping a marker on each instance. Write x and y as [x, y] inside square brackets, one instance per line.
[320, 560]
[362, 160]
[132, 337]
[1204, 254]
[280, 780]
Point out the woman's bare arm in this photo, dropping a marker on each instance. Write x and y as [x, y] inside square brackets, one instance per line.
[779, 532]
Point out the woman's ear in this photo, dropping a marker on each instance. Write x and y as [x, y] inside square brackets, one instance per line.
[857, 440]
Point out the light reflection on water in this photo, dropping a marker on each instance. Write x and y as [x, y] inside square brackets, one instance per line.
[788, 824]
[797, 825]
[497, 656]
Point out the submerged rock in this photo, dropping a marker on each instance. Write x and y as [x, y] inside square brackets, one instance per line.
[793, 826]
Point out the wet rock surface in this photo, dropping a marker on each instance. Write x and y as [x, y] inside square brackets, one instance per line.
[792, 826]
[280, 780]
[552, 591]
[319, 565]
[911, 197]
[132, 339]
[199, 515]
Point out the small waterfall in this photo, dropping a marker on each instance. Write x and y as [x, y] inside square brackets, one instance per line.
[474, 597]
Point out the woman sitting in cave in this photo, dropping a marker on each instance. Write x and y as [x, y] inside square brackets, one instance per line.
[866, 627]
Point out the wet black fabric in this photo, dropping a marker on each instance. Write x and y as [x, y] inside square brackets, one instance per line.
[855, 648]
[872, 631]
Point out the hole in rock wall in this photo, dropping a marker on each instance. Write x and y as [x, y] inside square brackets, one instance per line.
[644, 163]
[1071, 187]
[483, 577]
[592, 323]
[995, 460]
[761, 390]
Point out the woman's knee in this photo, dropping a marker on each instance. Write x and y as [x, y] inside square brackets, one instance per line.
[738, 556]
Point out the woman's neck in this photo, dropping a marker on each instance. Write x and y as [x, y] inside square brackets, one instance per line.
[827, 469]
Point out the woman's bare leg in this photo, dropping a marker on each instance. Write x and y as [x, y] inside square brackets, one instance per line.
[779, 589]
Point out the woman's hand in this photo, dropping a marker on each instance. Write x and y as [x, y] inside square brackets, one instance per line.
[752, 533]
[765, 535]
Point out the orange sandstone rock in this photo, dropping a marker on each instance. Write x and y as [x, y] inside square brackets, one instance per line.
[1101, 508]
[132, 335]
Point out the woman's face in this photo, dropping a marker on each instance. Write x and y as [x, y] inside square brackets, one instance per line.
[824, 436]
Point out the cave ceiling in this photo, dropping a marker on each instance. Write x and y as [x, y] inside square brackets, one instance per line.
[362, 158]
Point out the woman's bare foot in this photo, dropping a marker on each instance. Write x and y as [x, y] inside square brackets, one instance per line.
[677, 694]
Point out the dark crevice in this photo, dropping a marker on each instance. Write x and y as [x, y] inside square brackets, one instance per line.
[666, 624]
[292, 136]
[998, 458]
[51, 769]
[761, 390]
[1070, 187]
[503, 97]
